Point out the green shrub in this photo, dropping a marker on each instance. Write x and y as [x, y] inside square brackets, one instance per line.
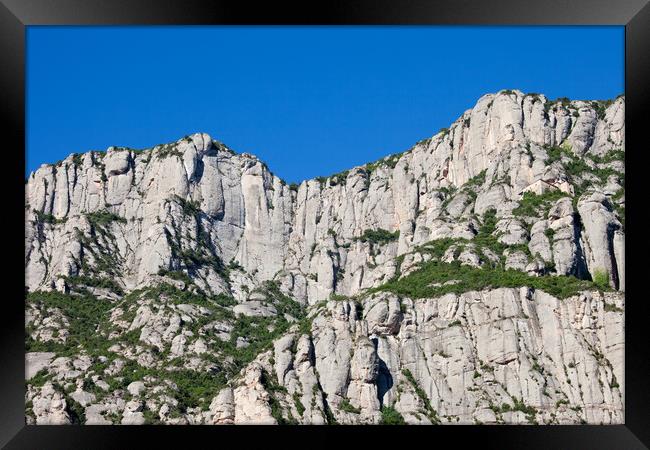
[175, 275]
[601, 107]
[438, 247]
[41, 377]
[565, 101]
[601, 279]
[98, 282]
[234, 265]
[390, 416]
[554, 154]
[304, 326]
[612, 155]
[447, 191]
[339, 178]
[283, 303]
[167, 150]
[418, 284]
[485, 237]
[378, 236]
[195, 388]
[576, 167]
[77, 159]
[550, 233]
[75, 411]
[388, 161]
[224, 300]
[99, 218]
[347, 407]
[521, 406]
[489, 222]
[47, 218]
[150, 418]
[190, 207]
[620, 213]
[87, 314]
[609, 307]
[84, 313]
[533, 205]
[299, 406]
[176, 295]
[477, 180]
[203, 254]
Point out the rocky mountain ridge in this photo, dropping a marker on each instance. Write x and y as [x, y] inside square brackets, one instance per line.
[476, 277]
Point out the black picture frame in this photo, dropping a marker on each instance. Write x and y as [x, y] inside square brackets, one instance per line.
[16, 15]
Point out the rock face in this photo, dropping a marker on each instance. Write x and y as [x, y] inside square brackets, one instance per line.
[603, 237]
[167, 202]
[49, 407]
[500, 356]
[228, 296]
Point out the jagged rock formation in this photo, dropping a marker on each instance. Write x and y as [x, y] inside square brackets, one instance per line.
[459, 281]
[489, 357]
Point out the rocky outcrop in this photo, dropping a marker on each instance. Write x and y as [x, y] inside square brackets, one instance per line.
[252, 400]
[603, 238]
[49, 407]
[187, 205]
[187, 284]
[500, 356]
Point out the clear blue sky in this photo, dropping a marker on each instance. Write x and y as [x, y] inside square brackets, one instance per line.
[309, 101]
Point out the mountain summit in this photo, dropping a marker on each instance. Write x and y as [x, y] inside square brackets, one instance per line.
[476, 278]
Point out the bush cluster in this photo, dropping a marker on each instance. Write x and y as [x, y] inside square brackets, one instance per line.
[378, 236]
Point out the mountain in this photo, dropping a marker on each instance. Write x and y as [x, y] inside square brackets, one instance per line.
[476, 278]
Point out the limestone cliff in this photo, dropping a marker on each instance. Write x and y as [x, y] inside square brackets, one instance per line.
[476, 277]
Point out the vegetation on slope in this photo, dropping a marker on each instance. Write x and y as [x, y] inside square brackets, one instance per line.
[89, 327]
[84, 314]
[378, 236]
[436, 278]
